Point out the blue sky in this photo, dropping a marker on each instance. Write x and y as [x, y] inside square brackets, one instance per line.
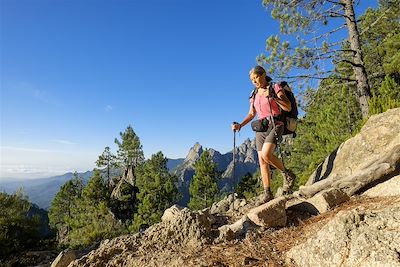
[73, 74]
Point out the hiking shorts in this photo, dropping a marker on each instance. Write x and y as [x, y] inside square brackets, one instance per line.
[269, 136]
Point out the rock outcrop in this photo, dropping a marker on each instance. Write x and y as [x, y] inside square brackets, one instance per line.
[368, 157]
[385, 189]
[354, 238]
[180, 228]
[127, 179]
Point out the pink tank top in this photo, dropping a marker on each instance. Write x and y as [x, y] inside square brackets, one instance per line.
[262, 107]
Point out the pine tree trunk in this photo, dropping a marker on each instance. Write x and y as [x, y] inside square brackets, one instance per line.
[363, 89]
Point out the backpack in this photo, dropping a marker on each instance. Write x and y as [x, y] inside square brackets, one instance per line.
[288, 117]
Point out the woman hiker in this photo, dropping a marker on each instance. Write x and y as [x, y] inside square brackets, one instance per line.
[261, 102]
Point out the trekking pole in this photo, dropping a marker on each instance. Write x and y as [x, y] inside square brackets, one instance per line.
[234, 163]
[278, 147]
[273, 125]
[273, 122]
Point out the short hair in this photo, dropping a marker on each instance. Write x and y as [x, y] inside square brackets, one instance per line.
[260, 71]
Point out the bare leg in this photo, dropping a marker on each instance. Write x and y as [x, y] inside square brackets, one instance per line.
[265, 171]
[268, 156]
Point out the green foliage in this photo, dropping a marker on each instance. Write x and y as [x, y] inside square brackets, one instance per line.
[81, 214]
[130, 158]
[60, 212]
[130, 151]
[391, 64]
[203, 186]
[332, 117]
[381, 42]
[96, 190]
[249, 186]
[381, 47]
[18, 231]
[387, 97]
[157, 191]
[107, 160]
[91, 221]
[301, 19]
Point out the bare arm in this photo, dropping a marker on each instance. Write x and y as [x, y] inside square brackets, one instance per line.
[247, 119]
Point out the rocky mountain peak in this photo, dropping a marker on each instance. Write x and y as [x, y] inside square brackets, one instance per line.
[194, 153]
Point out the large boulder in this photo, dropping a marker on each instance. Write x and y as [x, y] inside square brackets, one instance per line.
[270, 214]
[64, 258]
[385, 189]
[227, 205]
[354, 238]
[236, 230]
[179, 229]
[328, 199]
[371, 155]
[182, 227]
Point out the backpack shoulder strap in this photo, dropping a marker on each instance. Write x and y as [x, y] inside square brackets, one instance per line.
[285, 86]
[272, 85]
[253, 94]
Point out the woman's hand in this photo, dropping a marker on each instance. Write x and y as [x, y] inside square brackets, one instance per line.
[236, 127]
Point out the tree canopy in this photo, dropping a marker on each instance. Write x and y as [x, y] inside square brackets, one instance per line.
[157, 191]
[203, 186]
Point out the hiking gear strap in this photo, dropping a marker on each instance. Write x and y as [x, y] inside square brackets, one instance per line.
[272, 118]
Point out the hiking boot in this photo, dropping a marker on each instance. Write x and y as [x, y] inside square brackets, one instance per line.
[288, 180]
[267, 196]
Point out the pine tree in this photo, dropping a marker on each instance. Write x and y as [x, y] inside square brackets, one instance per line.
[387, 97]
[107, 160]
[89, 219]
[18, 231]
[96, 190]
[157, 191]
[203, 186]
[304, 18]
[92, 222]
[130, 151]
[249, 185]
[60, 212]
[380, 32]
[130, 158]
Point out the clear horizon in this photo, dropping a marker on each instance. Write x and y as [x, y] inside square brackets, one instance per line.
[74, 74]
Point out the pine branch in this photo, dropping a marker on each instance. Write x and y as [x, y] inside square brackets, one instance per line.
[349, 62]
[338, 50]
[375, 22]
[316, 76]
[341, 83]
[377, 75]
[327, 34]
[334, 14]
[323, 48]
[334, 2]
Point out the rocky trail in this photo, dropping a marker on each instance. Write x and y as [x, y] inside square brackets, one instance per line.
[268, 247]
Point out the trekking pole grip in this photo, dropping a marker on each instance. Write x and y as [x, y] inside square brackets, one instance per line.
[235, 122]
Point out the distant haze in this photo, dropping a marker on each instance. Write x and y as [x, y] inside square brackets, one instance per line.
[40, 163]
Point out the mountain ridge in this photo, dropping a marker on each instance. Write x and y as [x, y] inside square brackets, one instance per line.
[41, 191]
